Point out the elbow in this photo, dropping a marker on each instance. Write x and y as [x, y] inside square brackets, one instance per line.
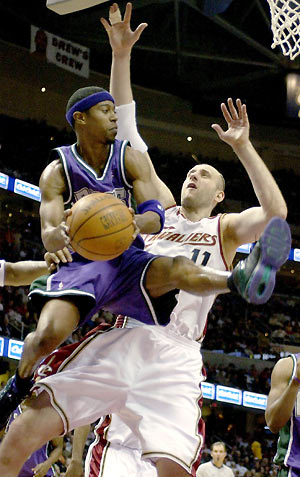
[282, 212]
[273, 428]
[272, 425]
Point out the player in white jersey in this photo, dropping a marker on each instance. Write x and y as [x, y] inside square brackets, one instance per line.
[116, 449]
[147, 375]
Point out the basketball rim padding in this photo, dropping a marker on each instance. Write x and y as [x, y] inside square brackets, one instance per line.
[62, 7]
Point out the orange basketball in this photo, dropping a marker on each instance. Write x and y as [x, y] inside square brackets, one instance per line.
[101, 227]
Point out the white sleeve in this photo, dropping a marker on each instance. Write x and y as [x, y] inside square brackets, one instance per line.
[2, 272]
[127, 127]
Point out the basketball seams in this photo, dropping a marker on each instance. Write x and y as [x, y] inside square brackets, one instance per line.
[93, 215]
[98, 254]
[100, 227]
[105, 235]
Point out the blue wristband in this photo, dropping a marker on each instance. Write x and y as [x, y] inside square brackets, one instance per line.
[153, 206]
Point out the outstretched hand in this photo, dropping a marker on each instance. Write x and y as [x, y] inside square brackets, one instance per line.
[121, 36]
[237, 133]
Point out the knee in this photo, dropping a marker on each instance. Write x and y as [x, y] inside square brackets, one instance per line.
[43, 341]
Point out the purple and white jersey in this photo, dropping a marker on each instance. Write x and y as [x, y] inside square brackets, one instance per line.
[82, 179]
[39, 456]
[288, 447]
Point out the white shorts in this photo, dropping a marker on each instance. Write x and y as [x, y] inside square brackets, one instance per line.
[148, 376]
[116, 461]
[115, 452]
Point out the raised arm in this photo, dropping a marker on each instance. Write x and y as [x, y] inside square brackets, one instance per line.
[122, 39]
[139, 168]
[283, 394]
[54, 229]
[249, 224]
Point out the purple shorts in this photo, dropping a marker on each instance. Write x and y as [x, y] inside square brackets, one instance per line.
[115, 285]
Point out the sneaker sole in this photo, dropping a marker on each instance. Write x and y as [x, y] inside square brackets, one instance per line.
[275, 246]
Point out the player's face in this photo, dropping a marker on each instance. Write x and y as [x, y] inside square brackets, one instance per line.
[218, 454]
[201, 186]
[101, 121]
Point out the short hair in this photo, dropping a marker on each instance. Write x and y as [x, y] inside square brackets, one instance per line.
[218, 443]
[82, 93]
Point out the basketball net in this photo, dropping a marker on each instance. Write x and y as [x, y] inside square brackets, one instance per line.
[285, 24]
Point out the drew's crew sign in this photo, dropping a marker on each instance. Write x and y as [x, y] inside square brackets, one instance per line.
[63, 53]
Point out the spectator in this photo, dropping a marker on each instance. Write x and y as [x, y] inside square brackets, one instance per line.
[216, 465]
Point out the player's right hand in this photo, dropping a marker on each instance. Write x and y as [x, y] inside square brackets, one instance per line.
[121, 36]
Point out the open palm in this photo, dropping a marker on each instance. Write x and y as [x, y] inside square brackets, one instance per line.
[119, 31]
[237, 122]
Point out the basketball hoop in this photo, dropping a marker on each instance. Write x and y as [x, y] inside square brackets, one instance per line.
[285, 25]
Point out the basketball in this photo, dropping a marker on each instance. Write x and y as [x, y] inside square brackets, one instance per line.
[101, 227]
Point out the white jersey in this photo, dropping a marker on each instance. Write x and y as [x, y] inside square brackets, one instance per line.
[202, 242]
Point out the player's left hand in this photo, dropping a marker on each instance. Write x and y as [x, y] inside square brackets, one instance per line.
[121, 36]
[40, 470]
[237, 133]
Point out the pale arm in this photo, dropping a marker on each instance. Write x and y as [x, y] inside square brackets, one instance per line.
[139, 168]
[75, 468]
[282, 396]
[121, 39]
[248, 225]
[41, 469]
[54, 229]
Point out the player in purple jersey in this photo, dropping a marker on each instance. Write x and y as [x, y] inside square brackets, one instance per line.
[283, 414]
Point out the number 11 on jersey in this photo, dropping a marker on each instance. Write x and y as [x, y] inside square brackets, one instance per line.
[205, 255]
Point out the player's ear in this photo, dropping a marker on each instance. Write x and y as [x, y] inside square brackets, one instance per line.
[220, 196]
[78, 117]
